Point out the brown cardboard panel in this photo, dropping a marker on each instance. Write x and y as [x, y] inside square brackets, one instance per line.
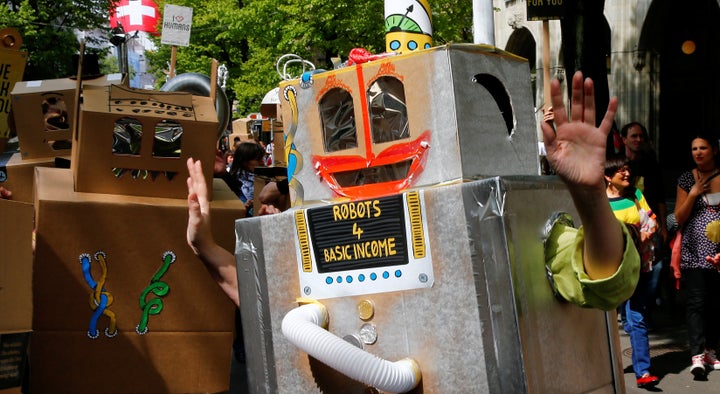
[133, 233]
[19, 175]
[33, 103]
[16, 220]
[241, 127]
[105, 80]
[279, 157]
[65, 362]
[150, 166]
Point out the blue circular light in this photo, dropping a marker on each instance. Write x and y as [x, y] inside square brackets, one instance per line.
[386, 274]
[398, 273]
[339, 279]
[328, 280]
[361, 277]
[394, 45]
[348, 279]
[373, 276]
[412, 45]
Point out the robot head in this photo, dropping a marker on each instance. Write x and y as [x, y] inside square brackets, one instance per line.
[408, 26]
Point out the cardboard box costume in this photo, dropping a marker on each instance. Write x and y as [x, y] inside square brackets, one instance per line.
[418, 226]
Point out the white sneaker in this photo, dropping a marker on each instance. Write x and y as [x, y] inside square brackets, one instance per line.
[698, 366]
[711, 360]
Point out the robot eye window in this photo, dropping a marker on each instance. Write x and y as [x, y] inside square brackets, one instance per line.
[168, 139]
[127, 138]
[388, 110]
[338, 120]
[55, 112]
[501, 97]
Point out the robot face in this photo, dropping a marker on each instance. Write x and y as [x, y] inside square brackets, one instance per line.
[372, 150]
[408, 26]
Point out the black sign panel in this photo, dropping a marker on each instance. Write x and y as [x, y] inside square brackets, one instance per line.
[13, 350]
[538, 10]
[359, 234]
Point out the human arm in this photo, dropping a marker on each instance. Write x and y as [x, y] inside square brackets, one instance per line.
[219, 262]
[275, 193]
[576, 151]
[685, 200]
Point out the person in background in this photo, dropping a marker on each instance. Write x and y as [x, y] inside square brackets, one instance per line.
[241, 176]
[646, 176]
[697, 211]
[269, 153]
[275, 194]
[630, 207]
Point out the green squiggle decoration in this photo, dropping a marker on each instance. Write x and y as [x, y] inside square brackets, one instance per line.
[157, 287]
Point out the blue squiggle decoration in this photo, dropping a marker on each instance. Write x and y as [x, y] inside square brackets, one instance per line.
[100, 298]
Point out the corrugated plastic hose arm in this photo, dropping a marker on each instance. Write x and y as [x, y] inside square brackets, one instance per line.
[303, 326]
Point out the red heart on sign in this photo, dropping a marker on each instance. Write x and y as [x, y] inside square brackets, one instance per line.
[179, 18]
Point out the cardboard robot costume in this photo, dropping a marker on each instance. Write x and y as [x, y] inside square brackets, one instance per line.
[427, 248]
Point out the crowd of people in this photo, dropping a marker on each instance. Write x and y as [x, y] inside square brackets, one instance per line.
[635, 190]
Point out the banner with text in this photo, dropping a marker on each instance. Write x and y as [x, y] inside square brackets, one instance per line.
[177, 23]
[538, 10]
[12, 67]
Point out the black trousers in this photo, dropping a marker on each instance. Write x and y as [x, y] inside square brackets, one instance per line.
[702, 308]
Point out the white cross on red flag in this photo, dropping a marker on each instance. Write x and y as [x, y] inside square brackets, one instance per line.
[135, 15]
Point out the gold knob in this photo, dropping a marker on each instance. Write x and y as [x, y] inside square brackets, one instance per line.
[366, 309]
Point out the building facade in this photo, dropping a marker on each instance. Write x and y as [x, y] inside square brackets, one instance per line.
[662, 58]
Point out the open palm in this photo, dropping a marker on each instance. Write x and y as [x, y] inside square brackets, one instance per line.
[575, 147]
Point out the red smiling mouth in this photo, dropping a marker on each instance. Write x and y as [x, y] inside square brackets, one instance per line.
[391, 171]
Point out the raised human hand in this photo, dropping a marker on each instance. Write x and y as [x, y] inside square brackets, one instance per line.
[575, 146]
[199, 233]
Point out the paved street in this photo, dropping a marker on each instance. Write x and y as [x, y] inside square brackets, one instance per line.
[670, 358]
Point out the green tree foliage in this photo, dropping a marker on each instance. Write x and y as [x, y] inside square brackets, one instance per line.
[249, 36]
[48, 29]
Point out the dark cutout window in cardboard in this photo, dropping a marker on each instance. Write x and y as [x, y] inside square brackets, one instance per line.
[501, 97]
[376, 174]
[168, 139]
[56, 119]
[338, 120]
[127, 136]
[388, 111]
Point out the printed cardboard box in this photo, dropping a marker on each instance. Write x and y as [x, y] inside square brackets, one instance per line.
[104, 80]
[44, 115]
[432, 116]
[121, 302]
[16, 220]
[17, 174]
[136, 142]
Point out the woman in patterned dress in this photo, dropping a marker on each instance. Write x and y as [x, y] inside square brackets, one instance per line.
[697, 211]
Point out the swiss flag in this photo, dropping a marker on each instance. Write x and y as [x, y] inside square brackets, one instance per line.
[135, 15]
